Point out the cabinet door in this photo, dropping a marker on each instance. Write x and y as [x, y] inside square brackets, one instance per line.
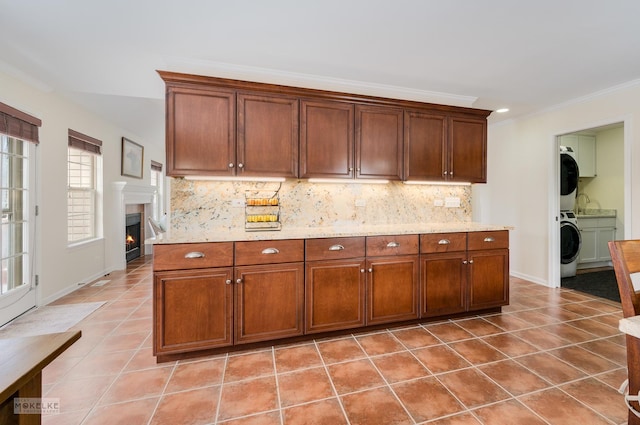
[269, 302]
[424, 146]
[589, 248]
[392, 289]
[605, 234]
[587, 156]
[200, 132]
[467, 150]
[488, 278]
[334, 292]
[267, 136]
[326, 139]
[379, 153]
[193, 310]
[443, 278]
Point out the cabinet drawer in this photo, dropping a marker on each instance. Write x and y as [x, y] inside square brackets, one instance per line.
[392, 245]
[192, 255]
[269, 252]
[488, 240]
[334, 248]
[443, 242]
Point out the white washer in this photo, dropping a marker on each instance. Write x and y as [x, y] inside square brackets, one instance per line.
[569, 175]
[570, 243]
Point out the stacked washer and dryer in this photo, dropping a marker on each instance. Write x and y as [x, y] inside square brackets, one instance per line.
[570, 238]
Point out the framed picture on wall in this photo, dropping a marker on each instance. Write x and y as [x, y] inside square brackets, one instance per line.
[132, 158]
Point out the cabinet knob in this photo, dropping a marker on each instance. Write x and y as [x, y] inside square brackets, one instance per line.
[444, 242]
[230, 165]
[370, 270]
[194, 254]
[470, 261]
[489, 239]
[350, 168]
[270, 251]
[240, 165]
[464, 262]
[336, 248]
[228, 281]
[451, 173]
[239, 280]
[361, 270]
[393, 244]
[444, 173]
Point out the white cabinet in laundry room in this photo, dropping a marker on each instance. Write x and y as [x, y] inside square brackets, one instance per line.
[596, 232]
[584, 148]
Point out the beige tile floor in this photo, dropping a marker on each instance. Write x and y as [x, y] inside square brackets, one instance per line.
[553, 356]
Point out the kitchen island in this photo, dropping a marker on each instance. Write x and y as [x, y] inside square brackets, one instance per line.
[228, 289]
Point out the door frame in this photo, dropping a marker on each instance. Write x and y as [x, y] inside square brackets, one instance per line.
[554, 188]
[28, 297]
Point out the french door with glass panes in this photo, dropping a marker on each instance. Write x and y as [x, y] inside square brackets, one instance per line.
[17, 231]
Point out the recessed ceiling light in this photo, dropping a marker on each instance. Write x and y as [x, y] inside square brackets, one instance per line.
[502, 110]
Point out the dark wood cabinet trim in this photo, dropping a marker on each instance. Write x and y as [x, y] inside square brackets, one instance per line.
[179, 79]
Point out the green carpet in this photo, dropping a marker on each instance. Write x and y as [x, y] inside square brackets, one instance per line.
[601, 284]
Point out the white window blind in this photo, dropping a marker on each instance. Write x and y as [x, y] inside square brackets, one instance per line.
[82, 190]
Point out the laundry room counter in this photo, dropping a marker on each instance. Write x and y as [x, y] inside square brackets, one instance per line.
[596, 213]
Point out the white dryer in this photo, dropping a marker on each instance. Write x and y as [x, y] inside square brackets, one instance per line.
[569, 175]
[570, 243]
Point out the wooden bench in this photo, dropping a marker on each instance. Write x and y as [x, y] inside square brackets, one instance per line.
[21, 364]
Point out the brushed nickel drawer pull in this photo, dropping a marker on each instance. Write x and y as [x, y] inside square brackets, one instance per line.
[336, 248]
[393, 244]
[270, 251]
[194, 254]
[489, 239]
[444, 242]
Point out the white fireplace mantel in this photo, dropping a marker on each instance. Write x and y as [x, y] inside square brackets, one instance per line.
[128, 194]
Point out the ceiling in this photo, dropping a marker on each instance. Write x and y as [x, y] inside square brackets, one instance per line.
[523, 55]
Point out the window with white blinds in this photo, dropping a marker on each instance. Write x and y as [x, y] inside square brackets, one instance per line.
[82, 187]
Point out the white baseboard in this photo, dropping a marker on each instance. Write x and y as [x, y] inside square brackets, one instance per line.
[530, 278]
[69, 289]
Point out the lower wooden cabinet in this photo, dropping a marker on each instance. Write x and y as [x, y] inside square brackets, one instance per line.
[269, 302]
[334, 292]
[287, 288]
[488, 278]
[444, 283]
[464, 272]
[193, 310]
[392, 289]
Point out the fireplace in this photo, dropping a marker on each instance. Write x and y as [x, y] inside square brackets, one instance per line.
[133, 234]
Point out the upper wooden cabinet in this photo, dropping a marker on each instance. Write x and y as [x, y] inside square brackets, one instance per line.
[425, 146]
[448, 148]
[330, 149]
[378, 142]
[467, 150]
[267, 136]
[326, 139]
[226, 127]
[200, 131]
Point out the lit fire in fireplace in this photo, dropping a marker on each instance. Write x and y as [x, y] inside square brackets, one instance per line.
[129, 240]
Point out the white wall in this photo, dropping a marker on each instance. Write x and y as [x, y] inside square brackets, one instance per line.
[523, 168]
[60, 268]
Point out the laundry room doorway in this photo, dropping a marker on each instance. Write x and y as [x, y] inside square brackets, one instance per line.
[601, 209]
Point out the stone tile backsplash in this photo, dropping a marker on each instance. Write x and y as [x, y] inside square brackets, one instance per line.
[211, 205]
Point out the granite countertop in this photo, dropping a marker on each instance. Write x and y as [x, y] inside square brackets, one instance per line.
[229, 235]
[596, 213]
